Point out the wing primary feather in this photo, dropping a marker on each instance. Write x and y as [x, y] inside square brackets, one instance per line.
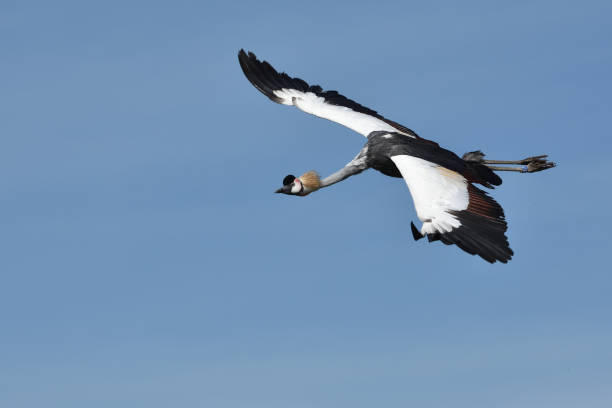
[284, 89]
[416, 234]
[454, 211]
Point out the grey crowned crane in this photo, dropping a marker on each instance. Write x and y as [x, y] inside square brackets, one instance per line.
[453, 210]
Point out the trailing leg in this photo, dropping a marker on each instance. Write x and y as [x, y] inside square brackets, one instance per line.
[527, 165]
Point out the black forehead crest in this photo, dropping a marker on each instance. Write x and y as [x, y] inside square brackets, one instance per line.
[288, 179]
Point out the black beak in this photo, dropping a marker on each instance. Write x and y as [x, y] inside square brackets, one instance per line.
[284, 189]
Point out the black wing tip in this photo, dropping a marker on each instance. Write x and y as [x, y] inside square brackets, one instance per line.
[246, 54]
[482, 236]
[478, 235]
[260, 74]
[416, 234]
[248, 57]
[267, 80]
[243, 58]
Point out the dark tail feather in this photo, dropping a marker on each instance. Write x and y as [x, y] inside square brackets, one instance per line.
[480, 172]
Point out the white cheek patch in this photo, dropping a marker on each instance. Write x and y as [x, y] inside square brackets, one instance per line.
[297, 187]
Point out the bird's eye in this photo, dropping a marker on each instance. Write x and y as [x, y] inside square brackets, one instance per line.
[288, 180]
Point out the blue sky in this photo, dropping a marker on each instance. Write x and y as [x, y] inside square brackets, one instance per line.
[146, 261]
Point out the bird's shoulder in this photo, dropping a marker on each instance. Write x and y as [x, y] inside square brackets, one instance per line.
[389, 144]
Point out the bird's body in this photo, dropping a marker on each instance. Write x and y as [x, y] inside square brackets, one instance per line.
[453, 210]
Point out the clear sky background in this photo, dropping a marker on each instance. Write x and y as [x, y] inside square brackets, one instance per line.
[146, 262]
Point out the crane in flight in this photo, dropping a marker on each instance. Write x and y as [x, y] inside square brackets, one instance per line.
[452, 209]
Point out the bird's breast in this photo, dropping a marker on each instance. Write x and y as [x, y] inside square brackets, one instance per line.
[385, 166]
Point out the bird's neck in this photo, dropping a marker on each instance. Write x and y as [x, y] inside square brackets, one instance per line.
[343, 173]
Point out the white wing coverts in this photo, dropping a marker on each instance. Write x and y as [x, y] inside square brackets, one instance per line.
[454, 211]
[283, 89]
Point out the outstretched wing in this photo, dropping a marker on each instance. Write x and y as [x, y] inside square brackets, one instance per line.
[283, 89]
[453, 210]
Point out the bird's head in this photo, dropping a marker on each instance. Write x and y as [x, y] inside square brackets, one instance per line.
[300, 186]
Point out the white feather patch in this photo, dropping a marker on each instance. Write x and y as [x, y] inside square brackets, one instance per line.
[315, 105]
[435, 190]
